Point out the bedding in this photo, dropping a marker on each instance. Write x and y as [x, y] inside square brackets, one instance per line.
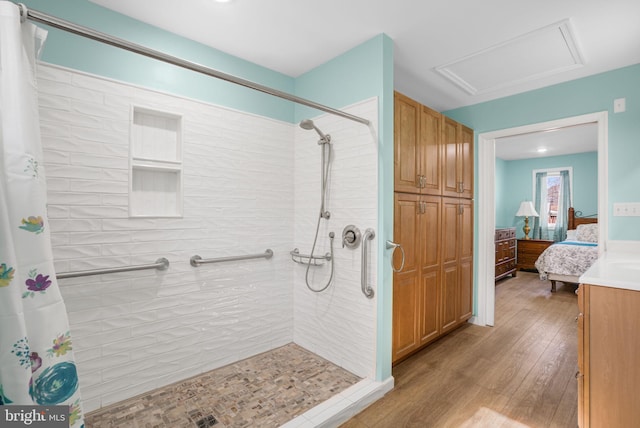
[566, 261]
[570, 258]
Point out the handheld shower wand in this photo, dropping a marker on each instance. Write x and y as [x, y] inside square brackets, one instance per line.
[309, 125]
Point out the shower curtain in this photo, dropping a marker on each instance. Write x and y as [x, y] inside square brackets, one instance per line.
[36, 357]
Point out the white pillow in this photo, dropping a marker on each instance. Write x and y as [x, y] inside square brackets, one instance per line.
[587, 232]
[571, 235]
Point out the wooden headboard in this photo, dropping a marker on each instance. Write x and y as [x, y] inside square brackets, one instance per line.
[575, 221]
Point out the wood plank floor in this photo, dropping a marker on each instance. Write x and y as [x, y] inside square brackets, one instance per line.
[519, 373]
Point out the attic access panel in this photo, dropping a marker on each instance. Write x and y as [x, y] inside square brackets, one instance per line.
[541, 53]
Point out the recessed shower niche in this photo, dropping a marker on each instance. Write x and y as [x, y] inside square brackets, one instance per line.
[155, 176]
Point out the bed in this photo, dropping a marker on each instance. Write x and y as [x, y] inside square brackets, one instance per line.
[565, 261]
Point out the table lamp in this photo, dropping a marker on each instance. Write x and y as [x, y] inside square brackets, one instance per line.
[526, 210]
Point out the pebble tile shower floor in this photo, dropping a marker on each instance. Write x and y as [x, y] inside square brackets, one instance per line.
[266, 390]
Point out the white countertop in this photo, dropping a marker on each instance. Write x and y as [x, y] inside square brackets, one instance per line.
[618, 267]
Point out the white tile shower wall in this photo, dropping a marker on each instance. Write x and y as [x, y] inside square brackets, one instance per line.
[137, 331]
[340, 323]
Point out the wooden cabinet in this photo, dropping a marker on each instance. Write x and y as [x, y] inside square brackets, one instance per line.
[433, 294]
[417, 147]
[608, 348]
[505, 240]
[416, 287]
[457, 142]
[529, 250]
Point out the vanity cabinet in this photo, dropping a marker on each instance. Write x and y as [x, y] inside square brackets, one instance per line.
[608, 348]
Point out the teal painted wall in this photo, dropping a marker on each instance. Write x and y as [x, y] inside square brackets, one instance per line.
[501, 193]
[582, 96]
[364, 72]
[82, 54]
[516, 179]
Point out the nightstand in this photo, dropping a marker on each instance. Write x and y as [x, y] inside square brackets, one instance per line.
[528, 252]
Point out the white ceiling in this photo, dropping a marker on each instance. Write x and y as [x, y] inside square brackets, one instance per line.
[295, 36]
[553, 142]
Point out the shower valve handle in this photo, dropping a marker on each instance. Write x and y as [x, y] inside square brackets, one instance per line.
[351, 237]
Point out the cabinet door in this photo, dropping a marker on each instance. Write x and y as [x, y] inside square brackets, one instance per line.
[465, 281]
[450, 268]
[465, 162]
[431, 150]
[450, 157]
[406, 282]
[583, 292]
[430, 230]
[457, 142]
[611, 369]
[407, 156]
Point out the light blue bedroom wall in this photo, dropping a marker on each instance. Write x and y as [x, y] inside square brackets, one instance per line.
[82, 54]
[500, 194]
[517, 185]
[582, 96]
[364, 72]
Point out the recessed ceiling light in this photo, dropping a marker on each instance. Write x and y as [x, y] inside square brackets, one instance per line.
[542, 150]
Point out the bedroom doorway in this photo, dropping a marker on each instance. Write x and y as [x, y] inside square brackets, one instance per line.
[485, 298]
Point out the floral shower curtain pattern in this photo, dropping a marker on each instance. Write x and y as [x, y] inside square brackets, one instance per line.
[36, 357]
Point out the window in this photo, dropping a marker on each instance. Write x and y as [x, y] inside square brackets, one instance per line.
[549, 198]
[553, 185]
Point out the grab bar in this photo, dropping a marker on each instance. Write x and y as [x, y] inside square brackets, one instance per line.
[160, 264]
[369, 234]
[197, 260]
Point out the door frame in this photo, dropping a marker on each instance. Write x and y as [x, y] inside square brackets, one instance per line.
[485, 303]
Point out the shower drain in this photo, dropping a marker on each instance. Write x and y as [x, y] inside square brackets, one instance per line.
[207, 421]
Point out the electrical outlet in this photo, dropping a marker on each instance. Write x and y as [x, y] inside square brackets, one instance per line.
[626, 209]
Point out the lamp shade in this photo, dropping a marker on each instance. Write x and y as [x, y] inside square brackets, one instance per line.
[526, 210]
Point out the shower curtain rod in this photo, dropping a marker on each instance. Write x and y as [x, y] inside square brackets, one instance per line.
[79, 30]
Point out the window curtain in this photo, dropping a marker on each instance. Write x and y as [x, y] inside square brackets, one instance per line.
[36, 358]
[540, 224]
[564, 202]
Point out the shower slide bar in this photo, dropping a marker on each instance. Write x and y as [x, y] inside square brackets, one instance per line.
[197, 260]
[310, 260]
[160, 264]
[89, 33]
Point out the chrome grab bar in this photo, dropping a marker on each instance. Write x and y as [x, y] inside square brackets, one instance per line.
[197, 260]
[390, 245]
[369, 234]
[160, 264]
[311, 260]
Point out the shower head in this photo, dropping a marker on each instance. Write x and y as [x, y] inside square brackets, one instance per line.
[309, 125]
